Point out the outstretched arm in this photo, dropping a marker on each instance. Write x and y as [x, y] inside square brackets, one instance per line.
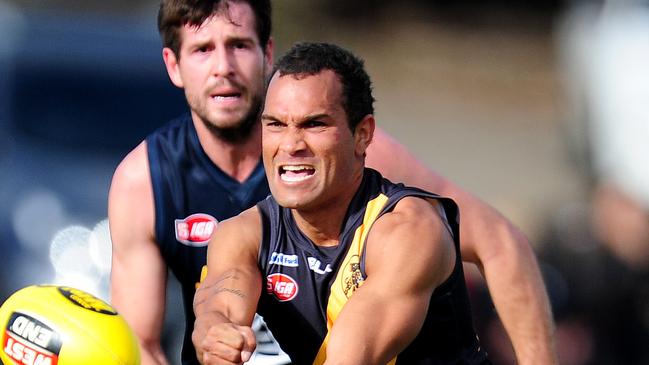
[138, 273]
[409, 253]
[226, 301]
[500, 250]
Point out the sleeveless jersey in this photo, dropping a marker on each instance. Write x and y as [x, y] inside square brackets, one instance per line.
[191, 196]
[302, 280]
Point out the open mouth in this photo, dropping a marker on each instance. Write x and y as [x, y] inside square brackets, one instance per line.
[226, 96]
[294, 173]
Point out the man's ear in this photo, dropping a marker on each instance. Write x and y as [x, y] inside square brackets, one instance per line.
[171, 63]
[269, 52]
[364, 133]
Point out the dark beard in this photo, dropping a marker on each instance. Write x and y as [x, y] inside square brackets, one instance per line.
[241, 132]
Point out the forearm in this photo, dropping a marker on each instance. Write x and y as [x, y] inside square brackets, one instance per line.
[139, 296]
[508, 263]
[146, 321]
[519, 295]
[152, 355]
[231, 297]
[224, 313]
[359, 339]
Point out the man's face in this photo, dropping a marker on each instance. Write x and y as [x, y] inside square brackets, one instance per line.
[222, 67]
[312, 158]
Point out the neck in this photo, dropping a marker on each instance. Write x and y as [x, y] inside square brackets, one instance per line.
[324, 223]
[237, 159]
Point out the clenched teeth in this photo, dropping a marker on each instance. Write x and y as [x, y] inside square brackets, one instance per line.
[224, 97]
[292, 173]
[296, 167]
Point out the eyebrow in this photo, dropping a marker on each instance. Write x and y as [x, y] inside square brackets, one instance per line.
[305, 119]
[206, 40]
[244, 39]
[269, 117]
[315, 116]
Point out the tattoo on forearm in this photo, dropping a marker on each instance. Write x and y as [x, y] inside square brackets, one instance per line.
[236, 292]
[217, 288]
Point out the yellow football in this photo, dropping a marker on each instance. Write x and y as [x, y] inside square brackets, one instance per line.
[50, 325]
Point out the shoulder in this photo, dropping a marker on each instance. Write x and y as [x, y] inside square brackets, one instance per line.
[238, 236]
[411, 239]
[249, 218]
[412, 210]
[245, 226]
[131, 193]
[133, 171]
[130, 200]
[412, 224]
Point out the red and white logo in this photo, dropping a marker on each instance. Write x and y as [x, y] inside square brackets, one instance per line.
[282, 286]
[195, 230]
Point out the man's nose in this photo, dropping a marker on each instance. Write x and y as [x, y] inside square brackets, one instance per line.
[293, 140]
[223, 62]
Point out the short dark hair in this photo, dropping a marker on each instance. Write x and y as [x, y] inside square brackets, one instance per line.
[173, 14]
[308, 58]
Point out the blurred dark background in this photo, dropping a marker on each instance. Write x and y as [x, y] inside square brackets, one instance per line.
[499, 96]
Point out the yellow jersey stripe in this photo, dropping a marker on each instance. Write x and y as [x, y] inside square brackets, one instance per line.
[349, 277]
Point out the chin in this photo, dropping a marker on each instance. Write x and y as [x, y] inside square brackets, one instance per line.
[221, 121]
[294, 196]
[290, 201]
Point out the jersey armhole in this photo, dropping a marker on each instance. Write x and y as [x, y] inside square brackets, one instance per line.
[264, 211]
[156, 186]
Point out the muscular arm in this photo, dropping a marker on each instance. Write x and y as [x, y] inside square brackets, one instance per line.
[138, 274]
[226, 301]
[409, 253]
[501, 252]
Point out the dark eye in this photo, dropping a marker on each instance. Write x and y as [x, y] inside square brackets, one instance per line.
[314, 124]
[203, 49]
[240, 45]
[273, 124]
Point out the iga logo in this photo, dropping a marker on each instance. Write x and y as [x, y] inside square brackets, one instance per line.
[282, 286]
[28, 341]
[195, 230]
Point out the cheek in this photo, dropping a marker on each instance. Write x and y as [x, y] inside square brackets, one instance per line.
[268, 145]
[195, 70]
[190, 84]
[254, 71]
[339, 159]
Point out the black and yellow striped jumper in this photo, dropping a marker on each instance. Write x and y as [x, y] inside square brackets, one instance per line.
[306, 286]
